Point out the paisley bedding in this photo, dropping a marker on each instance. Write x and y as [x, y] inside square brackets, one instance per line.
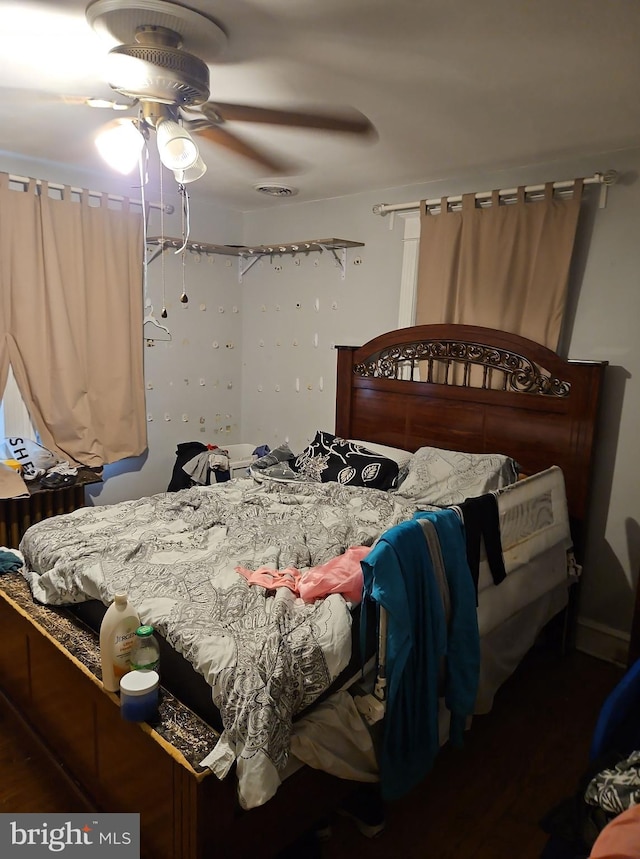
[266, 656]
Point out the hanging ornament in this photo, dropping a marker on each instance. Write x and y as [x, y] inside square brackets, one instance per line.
[183, 297]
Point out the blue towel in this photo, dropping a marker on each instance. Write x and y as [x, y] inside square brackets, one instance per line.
[9, 562]
[463, 648]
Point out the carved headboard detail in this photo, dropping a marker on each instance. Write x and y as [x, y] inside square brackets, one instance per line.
[438, 360]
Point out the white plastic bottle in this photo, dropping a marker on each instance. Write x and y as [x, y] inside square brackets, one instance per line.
[117, 637]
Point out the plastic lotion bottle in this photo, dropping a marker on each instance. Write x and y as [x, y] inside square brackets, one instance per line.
[117, 636]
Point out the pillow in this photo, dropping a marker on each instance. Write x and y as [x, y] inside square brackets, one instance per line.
[329, 458]
[397, 454]
[442, 477]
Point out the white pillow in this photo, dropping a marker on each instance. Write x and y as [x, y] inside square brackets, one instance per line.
[397, 454]
[443, 477]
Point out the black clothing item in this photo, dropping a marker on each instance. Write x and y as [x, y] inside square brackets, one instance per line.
[573, 824]
[184, 452]
[481, 520]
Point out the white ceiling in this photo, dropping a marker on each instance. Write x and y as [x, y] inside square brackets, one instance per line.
[450, 86]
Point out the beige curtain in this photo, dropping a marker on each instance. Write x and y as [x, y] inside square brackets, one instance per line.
[71, 320]
[505, 266]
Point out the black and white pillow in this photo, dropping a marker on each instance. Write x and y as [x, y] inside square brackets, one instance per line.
[329, 458]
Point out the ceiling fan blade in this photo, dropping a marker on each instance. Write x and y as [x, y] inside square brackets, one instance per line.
[222, 137]
[356, 123]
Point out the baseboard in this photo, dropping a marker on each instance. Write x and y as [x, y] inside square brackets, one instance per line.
[602, 641]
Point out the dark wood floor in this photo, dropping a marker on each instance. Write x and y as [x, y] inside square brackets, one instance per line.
[481, 802]
[485, 801]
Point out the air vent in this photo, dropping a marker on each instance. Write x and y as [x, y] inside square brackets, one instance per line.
[275, 189]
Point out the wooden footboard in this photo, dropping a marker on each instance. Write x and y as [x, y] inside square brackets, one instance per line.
[49, 674]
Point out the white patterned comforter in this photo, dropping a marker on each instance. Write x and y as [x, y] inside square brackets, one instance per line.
[266, 657]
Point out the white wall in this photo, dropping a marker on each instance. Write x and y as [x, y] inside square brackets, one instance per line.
[602, 320]
[292, 301]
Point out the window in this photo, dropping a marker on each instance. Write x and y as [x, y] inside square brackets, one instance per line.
[14, 417]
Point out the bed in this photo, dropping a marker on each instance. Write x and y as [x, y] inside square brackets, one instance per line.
[454, 388]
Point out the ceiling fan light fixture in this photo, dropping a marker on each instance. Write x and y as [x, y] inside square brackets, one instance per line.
[196, 171]
[177, 149]
[125, 73]
[107, 104]
[120, 144]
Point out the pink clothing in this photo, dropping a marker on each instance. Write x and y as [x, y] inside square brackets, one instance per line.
[340, 575]
[620, 839]
[270, 579]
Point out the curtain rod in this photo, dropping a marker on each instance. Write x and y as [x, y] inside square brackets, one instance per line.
[115, 198]
[603, 179]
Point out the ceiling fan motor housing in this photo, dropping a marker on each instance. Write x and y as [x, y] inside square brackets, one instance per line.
[164, 74]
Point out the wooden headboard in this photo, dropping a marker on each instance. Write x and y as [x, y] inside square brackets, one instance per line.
[477, 390]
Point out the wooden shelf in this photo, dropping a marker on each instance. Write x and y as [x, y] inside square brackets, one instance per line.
[252, 253]
[306, 246]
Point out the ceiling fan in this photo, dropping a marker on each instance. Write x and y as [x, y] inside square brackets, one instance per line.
[160, 64]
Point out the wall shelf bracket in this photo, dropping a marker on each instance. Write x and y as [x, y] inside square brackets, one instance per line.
[252, 260]
[156, 254]
[340, 259]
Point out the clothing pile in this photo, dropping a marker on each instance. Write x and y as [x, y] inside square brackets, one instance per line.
[33, 459]
[610, 787]
[199, 464]
[10, 560]
[25, 461]
[59, 475]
